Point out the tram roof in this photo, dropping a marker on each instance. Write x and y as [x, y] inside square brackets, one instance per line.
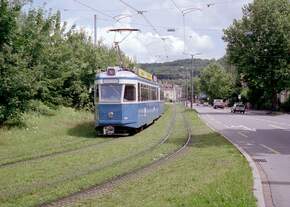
[119, 74]
[123, 74]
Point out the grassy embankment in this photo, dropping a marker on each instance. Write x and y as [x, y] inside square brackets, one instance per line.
[36, 181]
[211, 173]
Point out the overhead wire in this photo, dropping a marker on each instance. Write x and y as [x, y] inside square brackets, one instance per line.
[141, 12]
[96, 10]
[149, 23]
[176, 6]
[183, 21]
[183, 13]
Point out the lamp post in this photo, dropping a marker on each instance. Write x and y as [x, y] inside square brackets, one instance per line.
[184, 12]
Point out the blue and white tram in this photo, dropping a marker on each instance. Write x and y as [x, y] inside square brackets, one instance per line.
[126, 101]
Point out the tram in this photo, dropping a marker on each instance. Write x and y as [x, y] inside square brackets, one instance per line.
[126, 101]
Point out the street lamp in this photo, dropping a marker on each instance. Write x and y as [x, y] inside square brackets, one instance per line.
[184, 12]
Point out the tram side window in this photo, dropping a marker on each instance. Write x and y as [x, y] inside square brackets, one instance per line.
[154, 93]
[144, 92]
[96, 93]
[161, 95]
[150, 93]
[129, 93]
[139, 92]
[158, 93]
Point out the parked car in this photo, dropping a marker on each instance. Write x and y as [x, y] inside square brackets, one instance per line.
[238, 107]
[218, 104]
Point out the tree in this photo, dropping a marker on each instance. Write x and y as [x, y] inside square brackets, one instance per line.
[259, 47]
[16, 88]
[196, 86]
[215, 82]
[43, 61]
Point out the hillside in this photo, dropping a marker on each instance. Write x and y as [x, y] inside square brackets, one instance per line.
[175, 69]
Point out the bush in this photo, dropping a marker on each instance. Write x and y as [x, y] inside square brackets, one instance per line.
[43, 64]
[286, 106]
[40, 108]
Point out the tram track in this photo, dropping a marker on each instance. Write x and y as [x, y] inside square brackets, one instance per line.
[96, 168]
[56, 153]
[53, 154]
[108, 185]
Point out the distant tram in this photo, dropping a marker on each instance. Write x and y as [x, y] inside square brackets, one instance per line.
[126, 101]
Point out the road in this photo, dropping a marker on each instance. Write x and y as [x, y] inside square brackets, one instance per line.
[266, 138]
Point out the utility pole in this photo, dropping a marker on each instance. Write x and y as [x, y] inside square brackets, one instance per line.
[191, 76]
[191, 82]
[95, 30]
[186, 79]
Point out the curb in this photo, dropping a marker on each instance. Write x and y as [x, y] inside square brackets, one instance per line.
[257, 188]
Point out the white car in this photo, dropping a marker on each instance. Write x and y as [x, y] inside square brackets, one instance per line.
[238, 107]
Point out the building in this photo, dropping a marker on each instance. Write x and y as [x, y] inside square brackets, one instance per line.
[172, 92]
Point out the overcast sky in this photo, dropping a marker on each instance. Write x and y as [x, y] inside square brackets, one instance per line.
[203, 26]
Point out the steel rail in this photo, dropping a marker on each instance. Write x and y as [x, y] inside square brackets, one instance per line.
[53, 154]
[108, 185]
[95, 168]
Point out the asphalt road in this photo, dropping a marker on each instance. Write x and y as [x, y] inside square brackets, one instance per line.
[266, 138]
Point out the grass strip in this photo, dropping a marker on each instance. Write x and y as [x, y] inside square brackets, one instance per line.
[211, 173]
[50, 192]
[42, 135]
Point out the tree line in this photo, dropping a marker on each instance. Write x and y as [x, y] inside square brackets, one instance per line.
[43, 62]
[258, 45]
[256, 66]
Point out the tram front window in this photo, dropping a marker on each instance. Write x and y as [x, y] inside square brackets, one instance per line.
[111, 92]
[129, 93]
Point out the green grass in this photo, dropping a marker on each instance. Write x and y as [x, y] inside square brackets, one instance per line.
[211, 173]
[38, 181]
[67, 129]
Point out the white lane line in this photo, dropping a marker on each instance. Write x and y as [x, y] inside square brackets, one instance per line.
[243, 135]
[276, 126]
[270, 149]
[240, 127]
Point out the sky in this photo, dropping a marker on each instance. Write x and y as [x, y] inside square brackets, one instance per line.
[199, 31]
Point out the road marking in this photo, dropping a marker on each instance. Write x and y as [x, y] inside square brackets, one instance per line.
[258, 190]
[242, 127]
[270, 149]
[242, 134]
[277, 127]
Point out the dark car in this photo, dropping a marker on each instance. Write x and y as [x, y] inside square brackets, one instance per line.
[238, 107]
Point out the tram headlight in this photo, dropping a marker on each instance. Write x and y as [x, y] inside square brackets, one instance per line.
[110, 115]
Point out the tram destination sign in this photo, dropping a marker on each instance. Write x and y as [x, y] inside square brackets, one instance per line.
[111, 80]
